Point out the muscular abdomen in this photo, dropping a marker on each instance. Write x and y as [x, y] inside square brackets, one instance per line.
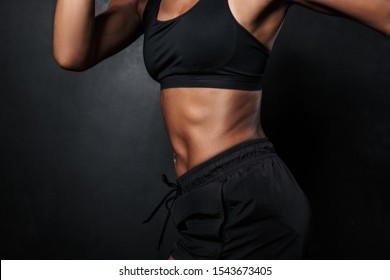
[202, 122]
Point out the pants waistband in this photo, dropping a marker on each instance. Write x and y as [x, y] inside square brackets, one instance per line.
[225, 161]
[209, 170]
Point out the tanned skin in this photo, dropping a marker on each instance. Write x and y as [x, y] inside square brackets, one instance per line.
[201, 122]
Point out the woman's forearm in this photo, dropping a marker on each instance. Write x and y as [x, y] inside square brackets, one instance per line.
[74, 23]
[373, 13]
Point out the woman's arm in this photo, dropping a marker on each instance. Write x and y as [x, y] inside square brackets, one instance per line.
[373, 13]
[81, 40]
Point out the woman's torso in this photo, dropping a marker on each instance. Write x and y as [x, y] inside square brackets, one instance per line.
[202, 122]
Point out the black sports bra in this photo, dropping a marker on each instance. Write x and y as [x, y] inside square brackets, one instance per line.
[203, 47]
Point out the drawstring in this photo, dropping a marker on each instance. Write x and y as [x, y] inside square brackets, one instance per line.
[169, 201]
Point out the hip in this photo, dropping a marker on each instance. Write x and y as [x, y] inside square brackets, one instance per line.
[241, 199]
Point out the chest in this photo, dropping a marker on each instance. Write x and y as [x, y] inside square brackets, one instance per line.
[201, 36]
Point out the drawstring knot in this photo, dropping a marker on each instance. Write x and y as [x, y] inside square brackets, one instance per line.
[169, 200]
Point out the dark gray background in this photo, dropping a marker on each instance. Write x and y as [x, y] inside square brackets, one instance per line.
[82, 153]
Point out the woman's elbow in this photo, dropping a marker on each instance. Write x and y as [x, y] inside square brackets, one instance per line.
[70, 63]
